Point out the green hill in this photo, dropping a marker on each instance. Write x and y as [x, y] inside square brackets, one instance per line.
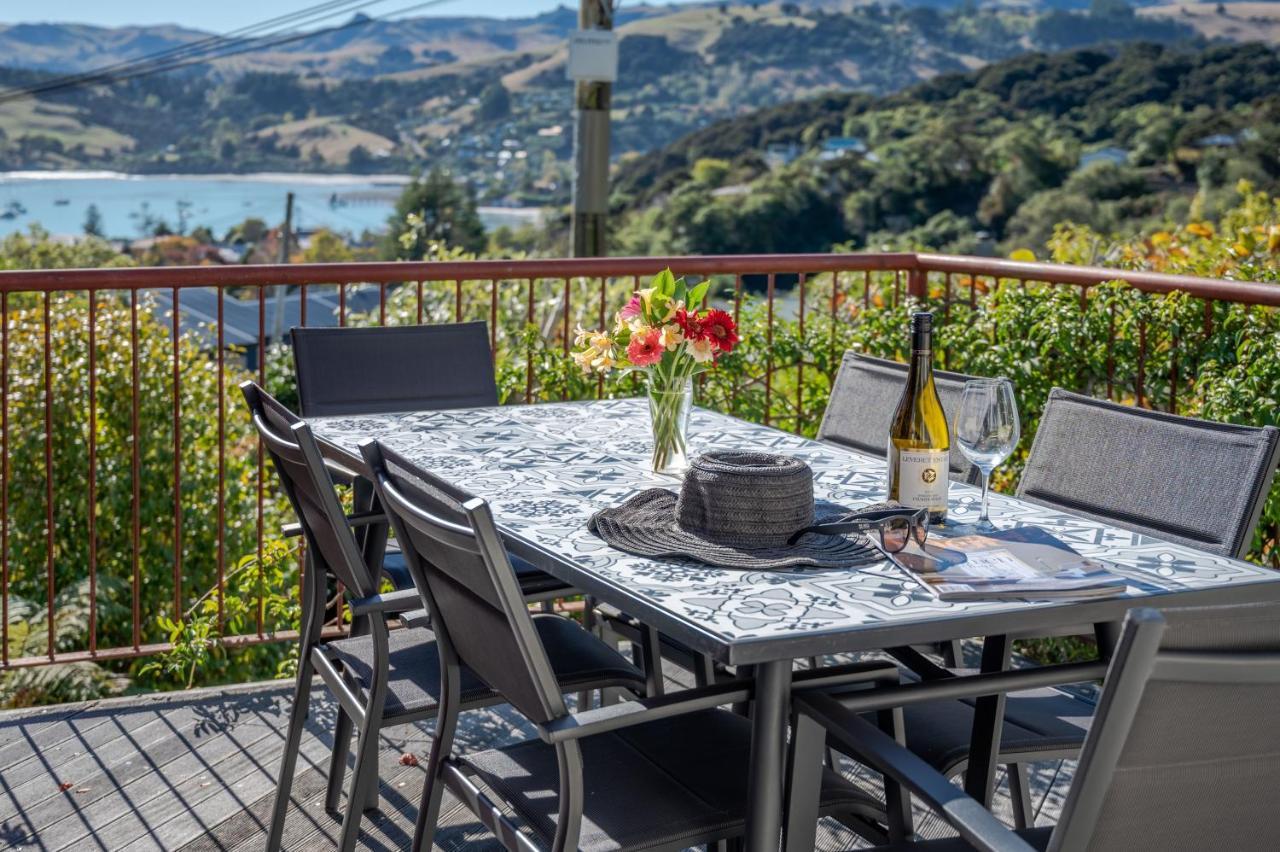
[1121, 140]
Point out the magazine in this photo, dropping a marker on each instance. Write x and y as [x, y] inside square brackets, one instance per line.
[1025, 563]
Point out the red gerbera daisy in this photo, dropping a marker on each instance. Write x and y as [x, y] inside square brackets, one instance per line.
[719, 328]
[689, 324]
[645, 349]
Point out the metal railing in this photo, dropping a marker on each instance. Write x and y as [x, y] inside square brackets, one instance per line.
[126, 383]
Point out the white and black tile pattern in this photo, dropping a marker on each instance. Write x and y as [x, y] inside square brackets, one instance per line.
[545, 469]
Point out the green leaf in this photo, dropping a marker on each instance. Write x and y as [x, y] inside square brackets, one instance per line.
[664, 282]
[697, 294]
[681, 290]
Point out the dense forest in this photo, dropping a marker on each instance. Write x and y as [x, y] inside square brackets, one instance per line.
[1121, 140]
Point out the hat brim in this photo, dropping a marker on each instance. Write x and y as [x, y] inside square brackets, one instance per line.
[645, 525]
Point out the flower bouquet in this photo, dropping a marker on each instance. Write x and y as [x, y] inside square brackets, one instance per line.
[662, 333]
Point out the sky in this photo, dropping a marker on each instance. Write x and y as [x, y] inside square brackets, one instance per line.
[223, 15]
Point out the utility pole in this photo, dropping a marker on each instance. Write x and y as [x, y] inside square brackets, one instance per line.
[286, 235]
[591, 144]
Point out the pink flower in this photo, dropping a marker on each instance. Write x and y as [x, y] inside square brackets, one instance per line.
[645, 348]
[632, 309]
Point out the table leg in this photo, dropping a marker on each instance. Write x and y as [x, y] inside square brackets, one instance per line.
[768, 746]
[988, 724]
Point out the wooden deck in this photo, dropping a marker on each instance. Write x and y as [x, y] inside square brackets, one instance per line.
[196, 771]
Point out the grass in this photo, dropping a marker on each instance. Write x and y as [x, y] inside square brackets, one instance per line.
[61, 122]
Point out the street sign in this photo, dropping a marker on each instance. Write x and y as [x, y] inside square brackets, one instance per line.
[593, 56]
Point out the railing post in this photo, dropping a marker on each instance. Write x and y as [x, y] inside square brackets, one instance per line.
[917, 284]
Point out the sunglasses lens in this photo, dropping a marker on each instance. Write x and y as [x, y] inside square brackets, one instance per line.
[921, 530]
[894, 533]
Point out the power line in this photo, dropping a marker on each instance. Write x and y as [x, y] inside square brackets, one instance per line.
[199, 46]
[263, 43]
[206, 46]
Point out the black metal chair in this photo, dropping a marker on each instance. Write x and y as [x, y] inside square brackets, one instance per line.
[380, 676]
[380, 370]
[345, 371]
[661, 773]
[1181, 479]
[1182, 754]
[864, 397]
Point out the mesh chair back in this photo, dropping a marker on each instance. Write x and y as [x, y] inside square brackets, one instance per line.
[864, 398]
[402, 368]
[457, 554]
[1188, 760]
[1195, 482]
[295, 454]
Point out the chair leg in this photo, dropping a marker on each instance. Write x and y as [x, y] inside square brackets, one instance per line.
[338, 761]
[952, 654]
[897, 798]
[366, 751]
[588, 624]
[289, 760]
[424, 830]
[651, 653]
[1024, 815]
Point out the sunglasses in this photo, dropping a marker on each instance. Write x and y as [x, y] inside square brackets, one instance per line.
[894, 526]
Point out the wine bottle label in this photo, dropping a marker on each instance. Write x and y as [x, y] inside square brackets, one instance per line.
[922, 479]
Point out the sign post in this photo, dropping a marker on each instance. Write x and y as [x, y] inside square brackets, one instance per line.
[593, 66]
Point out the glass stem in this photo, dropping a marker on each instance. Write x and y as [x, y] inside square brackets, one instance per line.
[986, 488]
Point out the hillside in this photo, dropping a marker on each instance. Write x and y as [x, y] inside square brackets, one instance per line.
[1121, 141]
[487, 99]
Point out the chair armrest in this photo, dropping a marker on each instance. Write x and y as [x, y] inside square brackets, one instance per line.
[869, 745]
[416, 618]
[358, 519]
[638, 711]
[403, 600]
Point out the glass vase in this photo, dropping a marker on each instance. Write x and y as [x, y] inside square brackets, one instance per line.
[670, 402]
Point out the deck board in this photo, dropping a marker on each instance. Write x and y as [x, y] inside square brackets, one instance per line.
[196, 771]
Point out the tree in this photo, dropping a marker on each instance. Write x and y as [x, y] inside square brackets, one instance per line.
[112, 498]
[93, 221]
[359, 160]
[326, 247]
[711, 171]
[495, 103]
[434, 209]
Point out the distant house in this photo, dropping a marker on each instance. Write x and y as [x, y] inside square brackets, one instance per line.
[198, 314]
[731, 190]
[779, 154]
[1218, 140]
[1109, 154]
[835, 147]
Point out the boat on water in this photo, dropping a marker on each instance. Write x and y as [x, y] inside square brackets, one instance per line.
[61, 202]
[13, 210]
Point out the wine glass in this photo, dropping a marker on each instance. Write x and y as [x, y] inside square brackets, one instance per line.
[986, 428]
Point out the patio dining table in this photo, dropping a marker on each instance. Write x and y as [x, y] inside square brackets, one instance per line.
[545, 469]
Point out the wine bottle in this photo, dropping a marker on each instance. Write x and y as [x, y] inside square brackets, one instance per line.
[919, 442]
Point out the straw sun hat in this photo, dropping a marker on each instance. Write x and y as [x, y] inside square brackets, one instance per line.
[734, 510]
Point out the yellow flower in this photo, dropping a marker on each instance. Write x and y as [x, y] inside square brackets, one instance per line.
[701, 351]
[580, 335]
[671, 337]
[601, 341]
[584, 359]
[604, 363]
[1273, 240]
[671, 311]
[1200, 229]
[644, 295]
